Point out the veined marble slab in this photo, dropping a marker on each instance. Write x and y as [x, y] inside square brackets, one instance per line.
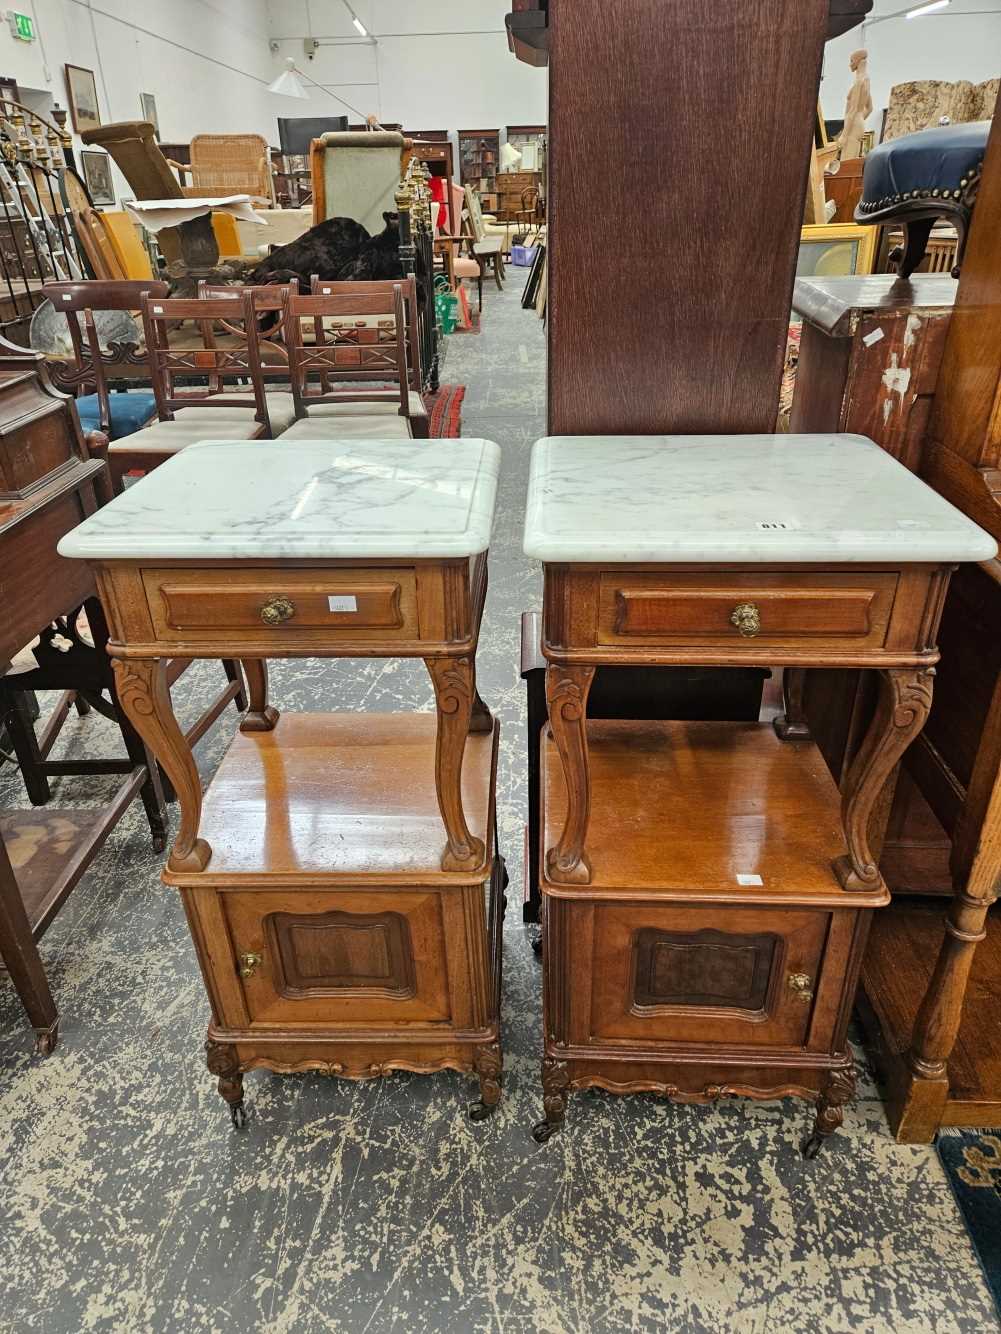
[266, 499]
[744, 498]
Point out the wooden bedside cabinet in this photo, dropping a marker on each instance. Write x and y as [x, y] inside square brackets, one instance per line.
[707, 891]
[340, 877]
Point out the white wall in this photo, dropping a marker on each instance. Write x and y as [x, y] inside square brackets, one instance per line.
[960, 42]
[439, 64]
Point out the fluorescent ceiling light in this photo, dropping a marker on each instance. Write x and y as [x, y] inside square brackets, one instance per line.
[287, 83]
[927, 9]
[364, 31]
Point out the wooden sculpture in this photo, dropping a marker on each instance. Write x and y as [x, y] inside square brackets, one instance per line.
[858, 107]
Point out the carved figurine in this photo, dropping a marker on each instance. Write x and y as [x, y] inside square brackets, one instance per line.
[858, 107]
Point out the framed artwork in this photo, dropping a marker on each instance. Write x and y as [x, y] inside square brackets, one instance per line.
[9, 91]
[81, 92]
[96, 168]
[836, 250]
[147, 104]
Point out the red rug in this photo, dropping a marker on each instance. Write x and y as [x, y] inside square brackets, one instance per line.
[445, 411]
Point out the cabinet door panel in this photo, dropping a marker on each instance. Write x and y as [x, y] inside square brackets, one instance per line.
[340, 957]
[705, 975]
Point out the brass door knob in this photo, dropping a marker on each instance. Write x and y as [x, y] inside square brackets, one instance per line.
[276, 610]
[801, 985]
[747, 618]
[249, 964]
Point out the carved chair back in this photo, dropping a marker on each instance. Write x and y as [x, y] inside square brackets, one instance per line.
[237, 360]
[92, 364]
[359, 334]
[332, 360]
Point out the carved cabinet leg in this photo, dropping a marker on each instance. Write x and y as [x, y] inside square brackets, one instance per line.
[791, 724]
[145, 696]
[488, 1063]
[837, 1091]
[221, 1059]
[567, 689]
[260, 716]
[555, 1087]
[454, 687]
[904, 701]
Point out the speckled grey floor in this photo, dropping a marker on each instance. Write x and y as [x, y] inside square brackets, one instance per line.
[129, 1204]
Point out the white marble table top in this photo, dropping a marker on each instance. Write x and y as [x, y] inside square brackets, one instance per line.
[265, 499]
[744, 498]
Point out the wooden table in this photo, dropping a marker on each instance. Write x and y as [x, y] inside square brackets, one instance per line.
[334, 879]
[703, 934]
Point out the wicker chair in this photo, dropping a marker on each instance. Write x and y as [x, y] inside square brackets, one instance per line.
[231, 164]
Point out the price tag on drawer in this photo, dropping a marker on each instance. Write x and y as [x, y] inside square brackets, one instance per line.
[342, 602]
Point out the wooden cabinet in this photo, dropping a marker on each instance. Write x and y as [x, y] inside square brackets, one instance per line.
[479, 151]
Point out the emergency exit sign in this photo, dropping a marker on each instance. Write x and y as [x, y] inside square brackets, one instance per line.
[21, 26]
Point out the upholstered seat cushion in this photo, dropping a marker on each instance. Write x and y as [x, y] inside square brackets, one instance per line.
[129, 412]
[940, 164]
[490, 245]
[170, 437]
[351, 426]
[281, 410]
[390, 408]
[466, 268]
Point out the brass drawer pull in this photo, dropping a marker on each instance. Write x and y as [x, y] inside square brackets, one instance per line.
[276, 610]
[249, 964]
[747, 618]
[802, 985]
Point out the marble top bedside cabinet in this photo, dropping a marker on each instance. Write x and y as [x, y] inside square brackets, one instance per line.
[340, 877]
[707, 891]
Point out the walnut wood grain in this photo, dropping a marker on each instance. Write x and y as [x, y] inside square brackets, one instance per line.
[566, 696]
[904, 702]
[260, 715]
[454, 686]
[791, 724]
[144, 695]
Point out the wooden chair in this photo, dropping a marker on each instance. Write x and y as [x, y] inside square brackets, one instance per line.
[356, 175]
[486, 249]
[346, 401]
[456, 250]
[119, 414]
[231, 164]
[360, 329]
[210, 413]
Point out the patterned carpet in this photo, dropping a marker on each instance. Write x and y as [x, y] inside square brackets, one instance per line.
[129, 1204]
[972, 1161]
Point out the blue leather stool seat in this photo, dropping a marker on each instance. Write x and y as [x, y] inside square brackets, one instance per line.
[919, 178]
[129, 412]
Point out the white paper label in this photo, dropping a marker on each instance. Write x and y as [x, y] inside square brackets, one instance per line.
[778, 525]
[158, 310]
[343, 602]
[872, 338]
[749, 880]
[326, 291]
[66, 296]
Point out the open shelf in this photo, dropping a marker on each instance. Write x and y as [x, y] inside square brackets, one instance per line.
[721, 800]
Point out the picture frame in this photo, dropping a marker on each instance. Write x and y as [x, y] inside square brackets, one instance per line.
[147, 106]
[81, 93]
[9, 91]
[836, 249]
[96, 168]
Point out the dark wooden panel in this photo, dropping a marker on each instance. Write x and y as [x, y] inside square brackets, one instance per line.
[341, 953]
[702, 968]
[668, 309]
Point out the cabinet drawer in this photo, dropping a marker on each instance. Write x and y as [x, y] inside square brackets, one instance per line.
[333, 959]
[744, 976]
[743, 608]
[310, 604]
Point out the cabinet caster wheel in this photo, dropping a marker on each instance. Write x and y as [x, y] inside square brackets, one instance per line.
[537, 944]
[479, 1111]
[159, 842]
[811, 1146]
[45, 1043]
[544, 1131]
[238, 1115]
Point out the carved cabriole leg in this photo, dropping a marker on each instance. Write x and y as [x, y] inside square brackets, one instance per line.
[260, 716]
[567, 689]
[791, 725]
[555, 1085]
[838, 1090]
[221, 1059]
[145, 696]
[454, 687]
[488, 1064]
[904, 701]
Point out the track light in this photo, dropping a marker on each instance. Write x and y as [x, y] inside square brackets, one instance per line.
[364, 31]
[927, 9]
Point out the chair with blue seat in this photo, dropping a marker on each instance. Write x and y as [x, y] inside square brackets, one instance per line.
[115, 414]
[923, 177]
